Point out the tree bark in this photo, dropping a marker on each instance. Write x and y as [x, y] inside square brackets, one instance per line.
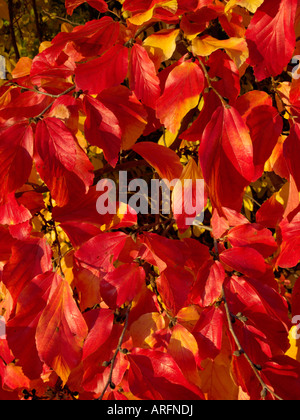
[12, 30]
[37, 22]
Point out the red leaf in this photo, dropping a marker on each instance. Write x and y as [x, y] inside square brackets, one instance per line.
[100, 332]
[296, 299]
[142, 76]
[66, 108]
[209, 332]
[265, 128]
[79, 233]
[283, 374]
[14, 378]
[290, 247]
[162, 252]
[6, 242]
[258, 301]
[208, 286]
[11, 213]
[270, 213]
[155, 375]
[254, 236]
[61, 332]
[82, 210]
[102, 129]
[24, 105]
[97, 380]
[254, 342]
[222, 67]
[195, 132]
[112, 66]
[291, 148]
[130, 113]
[61, 163]
[164, 160]
[16, 152]
[174, 286]
[98, 254]
[31, 304]
[29, 258]
[93, 38]
[245, 260]
[189, 197]
[21, 231]
[122, 285]
[271, 37]
[99, 5]
[226, 158]
[183, 87]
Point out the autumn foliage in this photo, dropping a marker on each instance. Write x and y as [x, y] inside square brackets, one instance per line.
[131, 306]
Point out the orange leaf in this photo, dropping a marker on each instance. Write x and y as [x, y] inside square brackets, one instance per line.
[183, 88]
[183, 348]
[236, 48]
[161, 45]
[61, 332]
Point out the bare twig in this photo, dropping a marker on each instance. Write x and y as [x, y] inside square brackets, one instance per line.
[12, 30]
[59, 18]
[50, 105]
[37, 22]
[119, 348]
[224, 103]
[35, 90]
[240, 350]
[60, 255]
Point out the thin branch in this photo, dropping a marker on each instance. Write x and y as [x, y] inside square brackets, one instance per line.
[241, 351]
[43, 93]
[224, 103]
[59, 18]
[119, 348]
[37, 22]
[12, 30]
[154, 225]
[252, 199]
[60, 255]
[50, 105]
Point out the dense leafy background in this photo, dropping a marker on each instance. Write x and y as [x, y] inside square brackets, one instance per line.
[142, 306]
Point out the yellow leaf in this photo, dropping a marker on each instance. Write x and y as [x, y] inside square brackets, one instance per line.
[168, 138]
[294, 350]
[251, 5]
[185, 235]
[216, 377]
[183, 348]
[67, 27]
[141, 18]
[161, 45]
[67, 264]
[142, 330]
[248, 203]
[44, 45]
[236, 48]
[189, 316]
